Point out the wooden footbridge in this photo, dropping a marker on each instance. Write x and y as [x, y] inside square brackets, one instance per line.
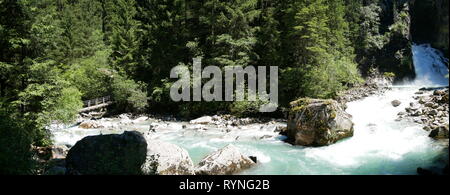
[95, 104]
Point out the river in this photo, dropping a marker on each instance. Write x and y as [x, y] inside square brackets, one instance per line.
[381, 145]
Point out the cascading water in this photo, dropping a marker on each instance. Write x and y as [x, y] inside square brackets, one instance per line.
[380, 145]
[430, 65]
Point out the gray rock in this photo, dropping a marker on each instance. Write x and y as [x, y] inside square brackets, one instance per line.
[167, 159]
[127, 154]
[417, 113]
[203, 120]
[50, 153]
[418, 120]
[429, 104]
[402, 113]
[433, 112]
[314, 122]
[408, 110]
[140, 120]
[225, 161]
[396, 103]
[108, 155]
[90, 125]
[59, 152]
[439, 92]
[435, 106]
[440, 132]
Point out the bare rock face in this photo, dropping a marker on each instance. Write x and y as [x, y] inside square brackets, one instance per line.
[167, 159]
[225, 161]
[430, 22]
[315, 122]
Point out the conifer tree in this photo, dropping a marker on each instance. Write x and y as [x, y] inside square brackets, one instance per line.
[232, 35]
[124, 36]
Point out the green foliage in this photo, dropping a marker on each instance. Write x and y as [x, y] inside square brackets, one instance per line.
[247, 108]
[53, 54]
[389, 74]
[48, 96]
[123, 37]
[129, 95]
[67, 105]
[82, 30]
[372, 39]
[91, 75]
[401, 25]
[324, 55]
[16, 138]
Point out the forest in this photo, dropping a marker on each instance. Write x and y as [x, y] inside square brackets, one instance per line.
[56, 53]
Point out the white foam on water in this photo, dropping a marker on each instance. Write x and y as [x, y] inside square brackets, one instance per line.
[260, 156]
[380, 144]
[430, 66]
[377, 135]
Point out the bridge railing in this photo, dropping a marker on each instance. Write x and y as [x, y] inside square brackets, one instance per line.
[97, 101]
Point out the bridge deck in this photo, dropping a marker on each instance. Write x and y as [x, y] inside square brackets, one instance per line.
[96, 104]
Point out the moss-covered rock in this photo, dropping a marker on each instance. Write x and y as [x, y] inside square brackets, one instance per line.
[316, 122]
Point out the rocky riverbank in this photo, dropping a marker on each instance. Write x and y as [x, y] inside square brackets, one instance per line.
[375, 84]
[177, 147]
[430, 109]
[132, 153]
[106, 141]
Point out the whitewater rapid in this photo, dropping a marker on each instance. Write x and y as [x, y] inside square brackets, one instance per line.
[380, 145]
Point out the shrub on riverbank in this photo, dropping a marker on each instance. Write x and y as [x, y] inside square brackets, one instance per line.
[16, 138]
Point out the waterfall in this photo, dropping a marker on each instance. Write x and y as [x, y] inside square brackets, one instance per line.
[430, 65]
[380, 145]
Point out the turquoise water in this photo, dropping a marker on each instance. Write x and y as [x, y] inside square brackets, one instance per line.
[381, 145]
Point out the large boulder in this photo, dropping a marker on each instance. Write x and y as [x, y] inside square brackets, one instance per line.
[108, 155]
[315, 122]
[167, 159]
[225, 161]
[127, 154]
